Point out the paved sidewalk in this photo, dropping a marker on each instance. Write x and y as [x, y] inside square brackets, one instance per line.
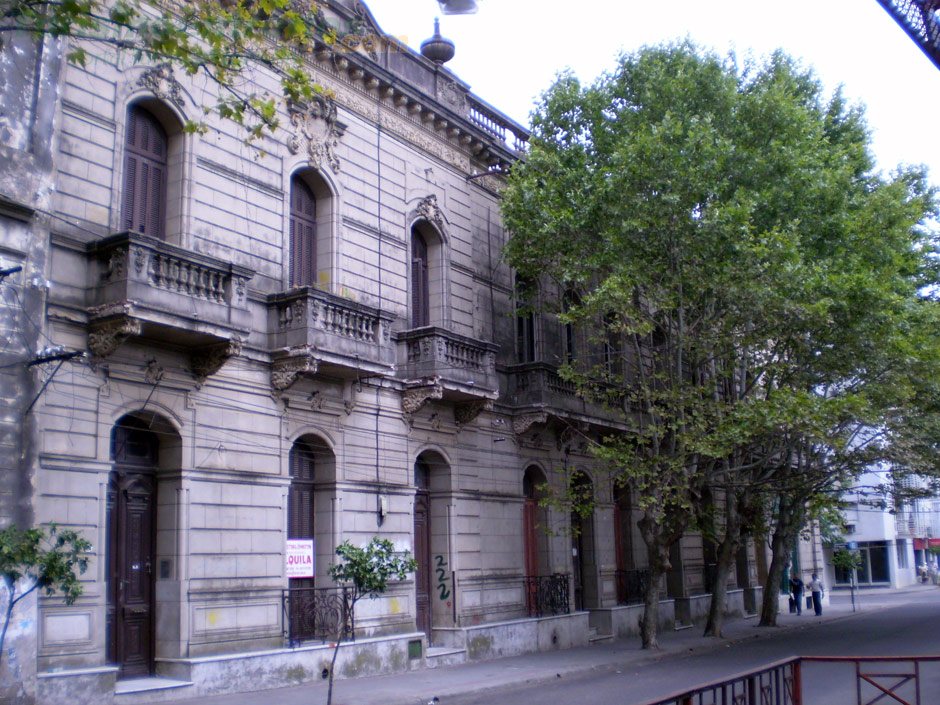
[419, 687]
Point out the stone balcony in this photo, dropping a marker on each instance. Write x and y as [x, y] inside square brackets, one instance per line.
[537, 387]
[435, 363]
[311, 331]
[145, 288]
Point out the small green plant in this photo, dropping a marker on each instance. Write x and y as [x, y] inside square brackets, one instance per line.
[34, 560]
[367, 571]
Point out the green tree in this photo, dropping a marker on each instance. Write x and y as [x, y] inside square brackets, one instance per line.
[726, 225]
[367, 570]
[33, 560]
[224, 41]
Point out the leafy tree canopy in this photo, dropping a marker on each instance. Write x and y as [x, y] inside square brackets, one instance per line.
[221, 40]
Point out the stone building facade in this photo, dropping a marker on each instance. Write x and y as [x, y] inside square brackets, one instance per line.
[310, 338]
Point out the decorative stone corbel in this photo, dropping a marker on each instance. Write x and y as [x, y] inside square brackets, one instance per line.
[415, 397]
[206, 361]
[523, 422]
[467, 412]
[104, 338]
[288, 367]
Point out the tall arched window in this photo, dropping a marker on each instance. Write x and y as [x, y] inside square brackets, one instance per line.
[303, 234]
[145, 173]
[420, 284]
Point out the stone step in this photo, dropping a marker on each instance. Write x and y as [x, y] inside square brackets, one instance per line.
[599, 638]
[137, 691]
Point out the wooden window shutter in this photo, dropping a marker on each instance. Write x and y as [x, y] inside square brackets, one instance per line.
[303, 234]
[145, 169]
[300, 500]
[420, 300]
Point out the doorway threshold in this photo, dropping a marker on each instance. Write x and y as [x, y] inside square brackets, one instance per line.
[144, 685]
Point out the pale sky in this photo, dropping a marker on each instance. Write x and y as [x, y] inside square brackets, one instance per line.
[510, 51]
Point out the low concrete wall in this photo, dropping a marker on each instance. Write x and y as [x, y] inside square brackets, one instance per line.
[517, 636]
[694, 610]
[250, 671]
[624, 620]
[85, 685]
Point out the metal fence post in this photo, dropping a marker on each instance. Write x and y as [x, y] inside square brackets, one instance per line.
[798, 682]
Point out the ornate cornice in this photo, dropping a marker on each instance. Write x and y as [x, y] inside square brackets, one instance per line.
[207, 361]
[104, 338]
[286, 369]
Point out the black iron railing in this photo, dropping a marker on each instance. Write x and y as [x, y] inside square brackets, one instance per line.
[631, 586]
[546, 595]
[317, 614]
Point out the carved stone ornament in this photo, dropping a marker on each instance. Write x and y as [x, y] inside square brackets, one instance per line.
[316, 131]
[206, 362]
[287, 369]
[450, 94]
[105, 338]
[160, 81]
[523, 422]
[414, 398]
[429, 210]
[468, 411]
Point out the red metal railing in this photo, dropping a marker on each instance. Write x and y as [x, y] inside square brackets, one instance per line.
[878, 679]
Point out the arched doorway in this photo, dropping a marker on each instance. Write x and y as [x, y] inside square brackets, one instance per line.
[131, 531]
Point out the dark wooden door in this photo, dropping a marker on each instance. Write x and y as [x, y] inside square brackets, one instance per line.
[131, 504]
[531, 550]
[423, 557]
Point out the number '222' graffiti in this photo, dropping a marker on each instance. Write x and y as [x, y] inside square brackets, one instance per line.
[442, 577]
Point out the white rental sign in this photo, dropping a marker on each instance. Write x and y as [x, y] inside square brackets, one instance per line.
[298, 558]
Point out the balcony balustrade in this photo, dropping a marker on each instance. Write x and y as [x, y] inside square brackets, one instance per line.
[330, 333]
[143, 287]
[455, 367]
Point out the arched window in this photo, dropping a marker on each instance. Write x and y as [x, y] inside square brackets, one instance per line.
[569, 302]
[420, 281]
[303, 234]
[145, 174]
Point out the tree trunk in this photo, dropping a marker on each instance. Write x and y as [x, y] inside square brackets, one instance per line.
[789, 520]
[657, 548]
[726, 554]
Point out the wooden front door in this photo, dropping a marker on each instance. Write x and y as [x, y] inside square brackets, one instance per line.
[423, 557]
[131, 586]
[131, 506]
[577, 560]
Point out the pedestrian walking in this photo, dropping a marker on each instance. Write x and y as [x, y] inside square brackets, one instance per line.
[796, 589]
[816, 587]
